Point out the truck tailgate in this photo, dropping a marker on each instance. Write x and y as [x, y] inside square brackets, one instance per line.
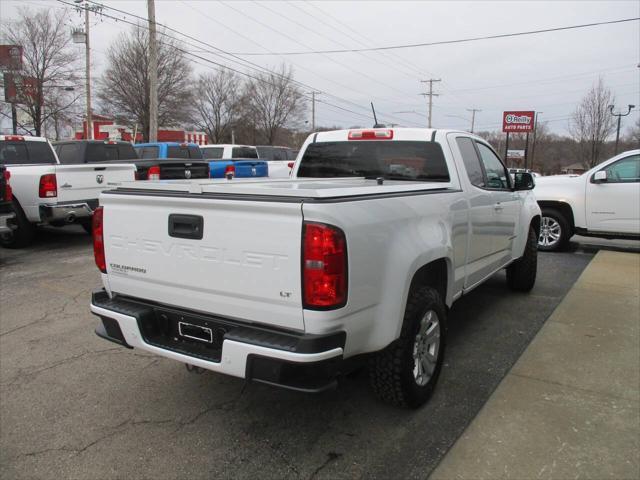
[246, 265]
[87, 181]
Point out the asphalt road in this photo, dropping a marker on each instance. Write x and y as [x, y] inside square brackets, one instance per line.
[75, 406]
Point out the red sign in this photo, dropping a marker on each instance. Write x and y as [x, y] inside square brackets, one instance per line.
[19, 89]
[10, 57]
[518, 121]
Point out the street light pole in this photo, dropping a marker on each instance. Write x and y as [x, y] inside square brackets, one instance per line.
[619, 115]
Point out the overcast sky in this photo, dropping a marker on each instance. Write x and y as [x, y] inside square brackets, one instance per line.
[548, 72]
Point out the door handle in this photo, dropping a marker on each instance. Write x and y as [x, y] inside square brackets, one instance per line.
[498, 208]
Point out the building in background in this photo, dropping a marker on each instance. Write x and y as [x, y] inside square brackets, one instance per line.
[105, 128]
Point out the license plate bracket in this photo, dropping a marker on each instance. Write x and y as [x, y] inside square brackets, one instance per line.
[195, 332]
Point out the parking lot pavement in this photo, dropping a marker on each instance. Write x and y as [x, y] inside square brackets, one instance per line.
[75, 406]
[570, 406]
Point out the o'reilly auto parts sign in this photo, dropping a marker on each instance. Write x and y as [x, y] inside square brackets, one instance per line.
[517, 121]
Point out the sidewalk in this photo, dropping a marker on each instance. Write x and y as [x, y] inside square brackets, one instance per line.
[570, 407]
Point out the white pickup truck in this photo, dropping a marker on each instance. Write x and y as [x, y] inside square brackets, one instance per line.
[292, 282]
[45, 192]
[603, 202]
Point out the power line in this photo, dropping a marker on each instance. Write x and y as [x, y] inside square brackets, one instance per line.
[245, 63]
[446, 42]
[186, 52]
[302, 67]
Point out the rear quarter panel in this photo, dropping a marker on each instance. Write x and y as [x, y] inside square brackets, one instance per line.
[388, 240]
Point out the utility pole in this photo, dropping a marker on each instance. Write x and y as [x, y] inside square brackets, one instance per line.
[313, 109]
[535, 137]
[88, 73]
[430, 94]
[473, 116]
[619, 115]
[153, 73]
[80, 36]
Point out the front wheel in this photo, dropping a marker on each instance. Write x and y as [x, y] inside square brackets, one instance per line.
[554, 231]
[406, 372]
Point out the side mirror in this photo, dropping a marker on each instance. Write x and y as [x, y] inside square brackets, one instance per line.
[599, 177]
[523, 181]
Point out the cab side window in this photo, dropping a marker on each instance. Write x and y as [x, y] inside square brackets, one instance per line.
[497, 176]
[626, 170]
[471, 161]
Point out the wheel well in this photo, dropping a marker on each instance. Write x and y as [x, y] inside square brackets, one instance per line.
[535, 221]
[563, 208]
[433, 274]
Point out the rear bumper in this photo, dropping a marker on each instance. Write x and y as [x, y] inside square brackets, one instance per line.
[308, 363]
[68, 212]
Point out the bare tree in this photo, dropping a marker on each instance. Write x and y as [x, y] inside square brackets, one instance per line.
[218, 104]
[274, 101]
[124, 87]
[48, 59]
[592, 123]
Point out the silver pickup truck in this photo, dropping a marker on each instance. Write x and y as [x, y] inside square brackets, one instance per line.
[356, 258]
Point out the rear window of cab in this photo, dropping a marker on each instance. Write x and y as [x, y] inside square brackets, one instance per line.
[393, 160]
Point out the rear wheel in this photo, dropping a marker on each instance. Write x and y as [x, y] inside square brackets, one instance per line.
[554, 231]
[24, 233]
[405, 373]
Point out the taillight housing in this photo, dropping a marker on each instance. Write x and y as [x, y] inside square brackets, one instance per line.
[97, 231]
[324, 266]
[153, 173]
[8, 193]
[48, 186]
[230, 171]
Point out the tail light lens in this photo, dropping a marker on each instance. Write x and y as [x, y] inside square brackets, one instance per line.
[371, 134]
[97, 231]
[8, 193]
[153, 173]
[230, 171]
[324, 266]
[48, 186]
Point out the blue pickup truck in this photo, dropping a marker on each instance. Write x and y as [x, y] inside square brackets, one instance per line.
[240, 161]
[168, 150]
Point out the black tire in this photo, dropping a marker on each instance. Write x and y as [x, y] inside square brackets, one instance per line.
[391, 371]
[86, 225]
[521, 274]
[554, 216]
[24, 233]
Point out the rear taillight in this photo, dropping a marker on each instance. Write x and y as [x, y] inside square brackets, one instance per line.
[230, 171]
[8, 193]
[97, 231]
[324, 266]
[153, 173]
[48, 186]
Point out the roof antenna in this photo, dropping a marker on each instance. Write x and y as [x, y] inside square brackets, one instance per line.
[375, 119]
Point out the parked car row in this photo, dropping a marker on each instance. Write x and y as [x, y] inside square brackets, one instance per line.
[60, 184]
